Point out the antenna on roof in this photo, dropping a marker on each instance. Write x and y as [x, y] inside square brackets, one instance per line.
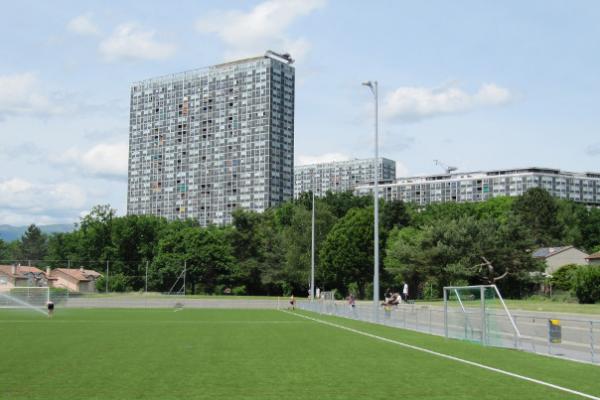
[449, 169]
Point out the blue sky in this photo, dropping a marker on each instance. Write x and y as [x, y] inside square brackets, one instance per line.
[476, 84]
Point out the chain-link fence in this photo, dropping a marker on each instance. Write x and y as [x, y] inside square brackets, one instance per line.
[578, 338]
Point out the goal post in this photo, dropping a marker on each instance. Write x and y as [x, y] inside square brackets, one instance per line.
[32, 298]
[479, 314]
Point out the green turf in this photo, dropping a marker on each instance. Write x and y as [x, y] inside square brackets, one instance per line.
[252, 354]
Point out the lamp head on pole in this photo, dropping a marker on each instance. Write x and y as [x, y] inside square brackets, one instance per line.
[371, 85]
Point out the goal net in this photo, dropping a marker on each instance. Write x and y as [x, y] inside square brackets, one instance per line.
[479, 314]
[32, 298]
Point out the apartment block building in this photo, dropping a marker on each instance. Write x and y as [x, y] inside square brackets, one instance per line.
[205, 142]
[341, 176]
[479, 186]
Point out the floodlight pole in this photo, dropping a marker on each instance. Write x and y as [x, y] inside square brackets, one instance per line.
[374, 89]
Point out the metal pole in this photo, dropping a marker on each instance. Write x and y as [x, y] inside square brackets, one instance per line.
[445, 313]
[376, 204]
[312, 255]
[374, 89]
[592, 342]
[184, 274]
[106, 282]
[146, 284]
[483, 324]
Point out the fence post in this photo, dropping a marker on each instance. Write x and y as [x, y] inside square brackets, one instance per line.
[146, 285]
[483, 324]
[416, 319]
[592, 341]
[430, 328]
[106, 280]
[516, 338]
[445, 313]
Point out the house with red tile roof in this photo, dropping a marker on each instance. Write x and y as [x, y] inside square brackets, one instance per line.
[77, 280]
[12, 276]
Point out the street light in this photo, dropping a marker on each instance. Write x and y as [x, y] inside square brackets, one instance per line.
[373, 86]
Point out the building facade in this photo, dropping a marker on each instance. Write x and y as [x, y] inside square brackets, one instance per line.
[205, 142]
[341, 176]
[556, 257]
[480, 186]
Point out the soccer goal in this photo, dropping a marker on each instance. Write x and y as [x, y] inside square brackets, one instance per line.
[32, 298]
[479, 314]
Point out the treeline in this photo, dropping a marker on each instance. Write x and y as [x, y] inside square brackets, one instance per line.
[269, 253]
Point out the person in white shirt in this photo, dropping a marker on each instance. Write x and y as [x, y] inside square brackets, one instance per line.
[405, 292]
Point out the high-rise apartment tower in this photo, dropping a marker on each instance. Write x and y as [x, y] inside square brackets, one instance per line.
[203, 143]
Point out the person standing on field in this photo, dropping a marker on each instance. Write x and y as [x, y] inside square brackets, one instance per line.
[293, 301]
[50, 306]
[405, 292]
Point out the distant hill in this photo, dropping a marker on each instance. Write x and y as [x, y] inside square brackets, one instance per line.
[9, 233]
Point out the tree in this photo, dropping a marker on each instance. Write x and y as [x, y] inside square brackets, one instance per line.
[452, 251]
[340, 203]
[538, 211]
[394, 214]
[63, 246]
[33, 244]
[5, 253]
[347, 252]
[207, 254]
[96, 230]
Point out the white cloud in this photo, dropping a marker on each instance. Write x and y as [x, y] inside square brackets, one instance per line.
[103, 160]
[416, 103]
[262, 28]
[83, 25]
[24, 202]
[323, 158]
[21, 94]
[130, 42]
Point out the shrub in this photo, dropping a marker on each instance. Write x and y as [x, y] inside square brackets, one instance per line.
[586, 284]
[562, 278]
[116, 283]
[239, 290]
[431, 289]
[353, 288]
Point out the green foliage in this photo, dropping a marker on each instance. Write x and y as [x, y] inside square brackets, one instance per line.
[32, 245]
[347, 253]
[353, 288]
[270, 252]
[539, 212]
[562, 278]
[587, 284]
[239, 290]
[431, 288]
[116, 283]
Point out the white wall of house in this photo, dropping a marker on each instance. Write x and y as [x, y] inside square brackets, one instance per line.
[569, 256]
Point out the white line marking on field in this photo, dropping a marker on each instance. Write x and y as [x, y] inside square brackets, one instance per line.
[449, 357]
[148, 321]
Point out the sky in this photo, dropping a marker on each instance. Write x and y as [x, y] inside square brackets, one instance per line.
[475, 84]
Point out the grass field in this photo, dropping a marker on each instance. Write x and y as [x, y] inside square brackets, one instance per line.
[255, 354]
